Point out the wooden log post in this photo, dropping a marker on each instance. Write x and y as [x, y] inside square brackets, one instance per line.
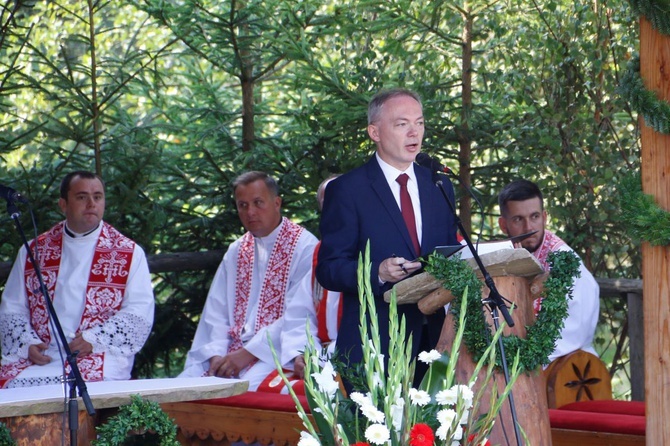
[655, 71]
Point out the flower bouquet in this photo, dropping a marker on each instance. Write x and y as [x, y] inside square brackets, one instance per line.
[384, 408]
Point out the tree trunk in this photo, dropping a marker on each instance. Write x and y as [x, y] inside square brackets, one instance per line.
[463, 131]
[248, 126]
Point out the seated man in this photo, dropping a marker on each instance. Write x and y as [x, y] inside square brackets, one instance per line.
[261, 288]
[328, 304]
[523, 211]
[101, 289]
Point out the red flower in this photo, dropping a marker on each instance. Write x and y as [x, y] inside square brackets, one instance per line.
[421, 435]
[361, 443]
[486, 441]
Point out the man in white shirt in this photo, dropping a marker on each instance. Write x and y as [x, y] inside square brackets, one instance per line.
[262, 287]
[101, 289]
[522, 211]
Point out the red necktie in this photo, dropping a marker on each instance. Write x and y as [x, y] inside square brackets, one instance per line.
[408, 211]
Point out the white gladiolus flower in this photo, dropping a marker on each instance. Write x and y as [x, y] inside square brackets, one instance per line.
[372, 413]
[307, 440]
[466, 394]
[397, 413]
[441, 432]
[377, 380]
[458, 434]
[326, 380]
[377, 434]
[429, 357]
[419, 397]
[464, 417]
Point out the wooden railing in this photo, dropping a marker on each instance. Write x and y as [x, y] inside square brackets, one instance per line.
[628, 289]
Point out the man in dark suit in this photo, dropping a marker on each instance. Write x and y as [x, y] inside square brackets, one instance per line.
[365, 204]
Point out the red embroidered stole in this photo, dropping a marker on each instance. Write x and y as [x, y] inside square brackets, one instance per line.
[320, 297]
[104, 293]
[550, 243]
[273, 290]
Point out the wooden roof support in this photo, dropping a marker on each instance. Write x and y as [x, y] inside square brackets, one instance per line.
[655, 71]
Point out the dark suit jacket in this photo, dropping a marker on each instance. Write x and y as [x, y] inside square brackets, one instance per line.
[359, 206]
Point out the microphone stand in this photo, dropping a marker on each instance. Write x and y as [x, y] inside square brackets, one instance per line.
[495, 301]
[74, 379]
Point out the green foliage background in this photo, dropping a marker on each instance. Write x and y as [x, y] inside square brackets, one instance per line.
[170, 100]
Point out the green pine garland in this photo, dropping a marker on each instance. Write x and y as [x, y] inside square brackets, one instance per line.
[656, 11]
[139, 415]
[656, 112]
[639, 212]
[541, 337]
[6, 436]
[644, 219]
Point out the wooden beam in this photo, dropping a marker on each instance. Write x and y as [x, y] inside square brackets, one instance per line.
[654, 65]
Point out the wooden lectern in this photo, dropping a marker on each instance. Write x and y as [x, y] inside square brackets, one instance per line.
[512, 273]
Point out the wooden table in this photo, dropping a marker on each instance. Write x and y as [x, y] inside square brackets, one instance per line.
[35, 415]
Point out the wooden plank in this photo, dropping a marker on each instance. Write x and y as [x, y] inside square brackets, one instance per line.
[49, 429]
[209, 424]
[209, 260]
[655, 60]
[106, 394]
[569, 437]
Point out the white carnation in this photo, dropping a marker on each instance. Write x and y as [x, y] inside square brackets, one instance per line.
[419, 397]
[372, 413]
[429, 357]
[377, 434]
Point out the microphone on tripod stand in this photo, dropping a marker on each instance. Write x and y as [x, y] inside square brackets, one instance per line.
[495, 300]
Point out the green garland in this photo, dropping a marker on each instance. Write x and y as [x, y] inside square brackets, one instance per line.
[139, 415]
[656, 11]
[644, 219]
[656, 112]
[5, 436]
[639, 211]
[541, 337]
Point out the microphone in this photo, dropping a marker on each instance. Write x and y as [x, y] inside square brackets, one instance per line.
[11, 195]
[425, 160]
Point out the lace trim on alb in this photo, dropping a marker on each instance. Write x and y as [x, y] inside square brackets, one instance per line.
[122, 334]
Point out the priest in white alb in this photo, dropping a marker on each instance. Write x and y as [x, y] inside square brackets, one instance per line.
[99, 282]
[262, 287]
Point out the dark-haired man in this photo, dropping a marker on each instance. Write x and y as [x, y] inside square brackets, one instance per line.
[101, 289]
[522, 211]
[262, 287]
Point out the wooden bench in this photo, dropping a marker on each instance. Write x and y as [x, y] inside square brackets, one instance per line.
[261, 417]
[579, 393]
[581, 409]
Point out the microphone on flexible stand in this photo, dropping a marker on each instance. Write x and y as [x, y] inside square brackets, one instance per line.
[12, 197]
[425, 160]
[495, 300]
[10, 194]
